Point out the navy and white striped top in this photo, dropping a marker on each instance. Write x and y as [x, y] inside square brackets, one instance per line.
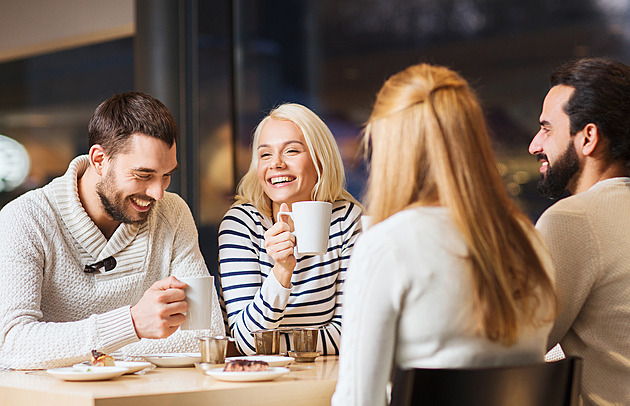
[254, 299]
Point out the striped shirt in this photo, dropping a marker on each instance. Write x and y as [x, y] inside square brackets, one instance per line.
[255, 300]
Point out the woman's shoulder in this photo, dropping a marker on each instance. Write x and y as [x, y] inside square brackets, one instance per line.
[426, 226]
[243, 209]
[346, 209]
[244, 213]
[425, 216]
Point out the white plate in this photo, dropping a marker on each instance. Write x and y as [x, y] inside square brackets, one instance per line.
[272, 360]
[132, 367]
[174, 360]
[91, 374]
[221, 375]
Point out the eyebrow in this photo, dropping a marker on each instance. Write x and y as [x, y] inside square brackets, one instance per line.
[284, 144]
[149, 170]
[544, 123]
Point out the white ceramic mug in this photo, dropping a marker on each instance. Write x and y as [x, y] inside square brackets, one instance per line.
[199, 299]
[311, 220]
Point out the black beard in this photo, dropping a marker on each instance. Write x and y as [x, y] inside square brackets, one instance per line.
[114, 207]
[554, 182]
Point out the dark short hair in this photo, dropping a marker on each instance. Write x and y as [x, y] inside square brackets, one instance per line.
[601, 96]
[125, 114]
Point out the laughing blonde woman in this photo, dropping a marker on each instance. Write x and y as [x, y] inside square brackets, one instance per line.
[265, 283]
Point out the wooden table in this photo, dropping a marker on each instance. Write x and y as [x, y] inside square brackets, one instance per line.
[306, 384]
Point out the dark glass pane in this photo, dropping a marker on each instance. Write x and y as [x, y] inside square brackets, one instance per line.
[46, 102]
[333, 56]
[215, 127]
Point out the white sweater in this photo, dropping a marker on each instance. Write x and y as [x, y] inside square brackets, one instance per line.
[589, 239]
[53, 313]
[409, 302]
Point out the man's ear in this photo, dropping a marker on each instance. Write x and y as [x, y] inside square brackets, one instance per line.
[98, 158]
[589, 139]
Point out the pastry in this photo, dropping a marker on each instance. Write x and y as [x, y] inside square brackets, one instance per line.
[243, 365]
[102, 360]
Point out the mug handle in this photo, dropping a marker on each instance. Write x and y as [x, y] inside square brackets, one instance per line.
[286, 213]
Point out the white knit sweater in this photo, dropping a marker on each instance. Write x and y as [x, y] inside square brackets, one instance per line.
[589, 239]
[53, 313]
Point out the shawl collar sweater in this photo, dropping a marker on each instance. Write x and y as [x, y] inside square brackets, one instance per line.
[53, 313]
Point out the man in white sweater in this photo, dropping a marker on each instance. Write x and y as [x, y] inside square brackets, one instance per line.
[89, 261]
[584, 147]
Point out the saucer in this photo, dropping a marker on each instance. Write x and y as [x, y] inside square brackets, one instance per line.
[204, 366]
[169, 360]
[304, 356]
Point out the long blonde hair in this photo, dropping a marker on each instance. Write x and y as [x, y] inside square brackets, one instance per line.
[321, 145]
[430, 146]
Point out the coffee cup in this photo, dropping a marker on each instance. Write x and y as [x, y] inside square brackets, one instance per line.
[199, 299]
[311, 220]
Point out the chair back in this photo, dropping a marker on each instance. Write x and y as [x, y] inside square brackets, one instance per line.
[549, 384]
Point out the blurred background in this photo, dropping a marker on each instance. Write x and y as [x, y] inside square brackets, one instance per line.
[221, 65]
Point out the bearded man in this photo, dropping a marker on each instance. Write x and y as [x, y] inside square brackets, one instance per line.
[584, 147]
[90, 261]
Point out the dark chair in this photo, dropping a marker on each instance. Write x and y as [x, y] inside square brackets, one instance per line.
[545, 384]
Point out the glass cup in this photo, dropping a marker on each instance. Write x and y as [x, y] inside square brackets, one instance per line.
[213, 349]
[305, 340]
[267, 341]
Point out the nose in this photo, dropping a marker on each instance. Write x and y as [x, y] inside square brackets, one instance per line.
[156, 189]
[535, 147]
[277, 161]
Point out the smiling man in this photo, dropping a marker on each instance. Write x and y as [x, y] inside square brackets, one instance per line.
[584, 147]
[91, 260]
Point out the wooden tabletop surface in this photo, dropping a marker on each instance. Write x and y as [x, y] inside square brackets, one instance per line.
[306, 384]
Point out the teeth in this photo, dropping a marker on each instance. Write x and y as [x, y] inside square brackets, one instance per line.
[281, 179]
[141, 203]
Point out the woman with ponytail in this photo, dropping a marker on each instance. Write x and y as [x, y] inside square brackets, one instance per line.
[452, 274]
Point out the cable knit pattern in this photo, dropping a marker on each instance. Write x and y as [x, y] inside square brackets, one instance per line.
[53, 313]
[589, 239]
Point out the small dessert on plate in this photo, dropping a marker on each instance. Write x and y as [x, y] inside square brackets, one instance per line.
[272, 360]
[244, 365]
[102, 360]
[241, 370]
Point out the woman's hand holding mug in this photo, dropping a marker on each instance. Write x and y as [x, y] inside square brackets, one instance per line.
[280, 244]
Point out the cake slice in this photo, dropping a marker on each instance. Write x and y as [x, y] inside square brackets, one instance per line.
[102, 360]
[244, 365]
